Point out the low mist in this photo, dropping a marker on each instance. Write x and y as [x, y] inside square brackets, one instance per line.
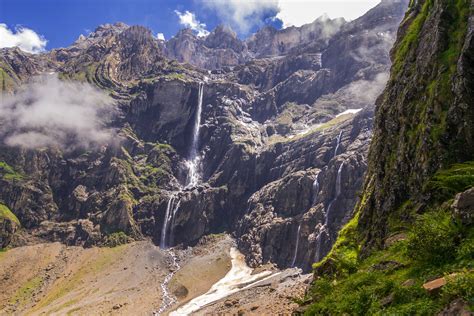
[53, 113]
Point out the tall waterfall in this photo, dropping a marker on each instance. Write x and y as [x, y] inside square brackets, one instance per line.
[193, 161]
[338, 143]
[167, 231]
[297, 245]
[192, 178]
[325, 227]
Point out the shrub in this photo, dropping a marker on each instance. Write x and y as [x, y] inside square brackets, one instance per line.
[459, 286]
[432, 239]
[465, 251]
[117, 239]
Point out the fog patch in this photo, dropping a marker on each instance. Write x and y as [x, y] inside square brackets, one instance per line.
[367, 91]
[53, 113]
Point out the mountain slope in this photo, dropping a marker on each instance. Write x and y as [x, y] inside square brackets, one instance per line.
[279, 160]
[413, 223]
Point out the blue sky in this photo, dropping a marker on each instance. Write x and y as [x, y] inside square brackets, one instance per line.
[60, 22]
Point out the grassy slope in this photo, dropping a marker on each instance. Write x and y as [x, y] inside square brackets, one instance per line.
[6, 213]
[432, 246]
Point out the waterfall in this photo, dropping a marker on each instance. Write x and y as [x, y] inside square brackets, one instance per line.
[175, 210]
[171, 209]
[325, 228]
[192, 177]
[322, 229]
[338, 180]
[296, 246]
[315, 188]
[193, 161]
[338, 142]
[167, 231]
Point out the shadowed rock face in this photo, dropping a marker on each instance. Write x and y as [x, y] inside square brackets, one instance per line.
[414, 135]
[268, 130]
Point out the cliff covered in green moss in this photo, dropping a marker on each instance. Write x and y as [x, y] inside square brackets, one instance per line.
[413, 222]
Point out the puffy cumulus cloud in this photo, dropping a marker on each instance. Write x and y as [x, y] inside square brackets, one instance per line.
[243, 15]
[299, 12]
[54, 113]
[26, 39]
[188, 19]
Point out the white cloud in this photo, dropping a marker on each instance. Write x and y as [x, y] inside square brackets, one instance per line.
[160, 36]
[188, 19]
[299, 12]
[242, 15]
[51, 112]
[26, 39]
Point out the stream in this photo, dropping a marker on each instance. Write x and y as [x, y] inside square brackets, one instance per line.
[239, 278]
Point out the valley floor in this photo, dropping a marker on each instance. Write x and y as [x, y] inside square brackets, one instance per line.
[55, 279]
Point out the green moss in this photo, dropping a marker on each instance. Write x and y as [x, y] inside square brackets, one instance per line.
[86, 73]
[7, 83]
[323, 127]
[343, 257]
[450, 181]
[410, 38]
[6, 213]
[459, 285]
[24, 294]
[176, 76]
[432, 241]
[8, 173]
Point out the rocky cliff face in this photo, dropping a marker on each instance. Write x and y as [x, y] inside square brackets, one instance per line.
[278, 167]
[409, 246]
[424, 119]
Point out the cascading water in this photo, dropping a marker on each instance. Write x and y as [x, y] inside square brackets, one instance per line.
[168, 224]
[167, 231]
[193, 162]
[338, 143]
[168, 299]
[192, 177]
[166, 220]
[325, 227]
[296, 246]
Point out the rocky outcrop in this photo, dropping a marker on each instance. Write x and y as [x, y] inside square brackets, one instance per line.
[423, 120]
[298, 231]
[463, 207]
[221, 48]
[8, 229]
[311, 37]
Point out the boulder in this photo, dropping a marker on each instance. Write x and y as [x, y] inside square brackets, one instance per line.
[463, 207]
[8, 229]
[435, 285]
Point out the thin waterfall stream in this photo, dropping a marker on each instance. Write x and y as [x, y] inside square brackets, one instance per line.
[297, 245]
[324, 229]
[338, 143]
